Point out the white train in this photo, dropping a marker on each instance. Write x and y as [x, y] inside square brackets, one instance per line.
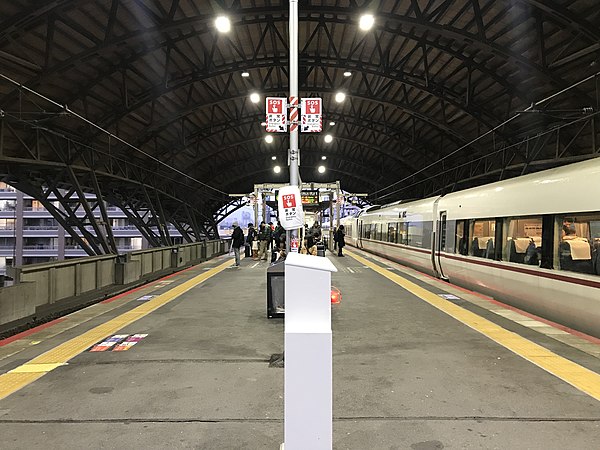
[532, 242]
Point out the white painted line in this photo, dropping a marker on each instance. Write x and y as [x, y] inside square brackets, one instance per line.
[350, 270]
[255, 264]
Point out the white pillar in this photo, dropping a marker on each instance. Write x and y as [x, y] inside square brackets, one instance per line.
[308, 353]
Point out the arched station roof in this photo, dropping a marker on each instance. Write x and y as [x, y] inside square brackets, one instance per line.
[430, 77]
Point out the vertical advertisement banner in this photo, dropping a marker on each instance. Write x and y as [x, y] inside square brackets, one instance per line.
[276, 114]
[291, 214]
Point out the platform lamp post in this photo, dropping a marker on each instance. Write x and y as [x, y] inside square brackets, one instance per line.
[294, 153]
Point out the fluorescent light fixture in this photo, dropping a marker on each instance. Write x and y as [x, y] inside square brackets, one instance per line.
[323, 157]
[340, 97]
[263, 124]
[254, 97]
[328, 138]
[245, 74]
[321, 169]
[366, 22]
[273, 158]
[347, 74]
[332, 123]
[223, 24]
[276, 169]
[268, 138]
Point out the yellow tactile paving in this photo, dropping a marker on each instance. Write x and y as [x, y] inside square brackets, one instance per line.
[579, 377]
[58, 356]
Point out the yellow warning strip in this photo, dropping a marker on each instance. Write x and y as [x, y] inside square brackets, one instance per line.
[581, 378]
[37, 367]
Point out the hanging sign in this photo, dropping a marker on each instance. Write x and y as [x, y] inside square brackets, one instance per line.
[290, 210]
[276, 114]
[312, 119]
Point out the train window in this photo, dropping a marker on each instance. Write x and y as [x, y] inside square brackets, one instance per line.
[403, 233]
[392, 233]
[483, 235]
[415, 234]
[524, 240]
[461, 237]
[579, 246]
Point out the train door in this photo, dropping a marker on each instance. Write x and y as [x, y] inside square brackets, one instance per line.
[440, 244]
[360, 234]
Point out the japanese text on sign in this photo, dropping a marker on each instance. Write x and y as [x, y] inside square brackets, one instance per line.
[276, 114]
[312, 119]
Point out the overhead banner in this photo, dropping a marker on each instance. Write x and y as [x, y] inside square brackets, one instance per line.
[291, 215]
[312, 118]
[276, 114]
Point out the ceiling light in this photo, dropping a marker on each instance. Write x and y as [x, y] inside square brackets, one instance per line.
[263, 124]
[268, 138]
[273, 158]
[347, 74]
[332, 123]
[323, 157]
[245, 74]
[328, 138]
[276, 169]
[321, 169]
[366, 22]
[222, 23]
[254, 97]
[340, 97]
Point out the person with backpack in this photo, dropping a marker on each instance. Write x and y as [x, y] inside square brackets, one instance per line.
[249, 240]
[264, 238]
[237, 241]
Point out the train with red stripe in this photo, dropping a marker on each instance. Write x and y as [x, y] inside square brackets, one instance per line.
[532, 242]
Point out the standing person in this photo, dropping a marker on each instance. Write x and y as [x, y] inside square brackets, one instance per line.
[264, 237]
[237, 241]
[250, 239]
[341, 242]
[335, 230]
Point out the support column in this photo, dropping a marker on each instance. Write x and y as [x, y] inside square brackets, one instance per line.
[18, 225]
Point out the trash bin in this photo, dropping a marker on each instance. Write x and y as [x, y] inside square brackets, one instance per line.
[276, 290]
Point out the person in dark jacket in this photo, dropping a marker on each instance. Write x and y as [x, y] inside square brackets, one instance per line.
[237, 241]
[250, 239]
[264, 238]
[341, 242]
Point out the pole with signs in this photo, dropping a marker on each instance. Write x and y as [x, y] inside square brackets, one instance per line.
[292, 241]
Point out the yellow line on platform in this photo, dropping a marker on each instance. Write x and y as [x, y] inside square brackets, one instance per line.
[37, 367]
[577, 376]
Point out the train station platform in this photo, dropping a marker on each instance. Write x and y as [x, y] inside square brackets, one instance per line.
[418, 364]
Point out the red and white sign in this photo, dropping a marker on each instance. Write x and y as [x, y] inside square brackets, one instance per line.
[312, 118]
[294, 245]
[276, 114]
[291, 215]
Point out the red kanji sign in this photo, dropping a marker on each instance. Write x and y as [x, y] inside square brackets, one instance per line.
[276, 114]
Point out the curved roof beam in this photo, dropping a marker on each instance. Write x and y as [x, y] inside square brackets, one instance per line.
[334, 155]
[155, 92]
[427, 28]
[394, 139]
[248, 176]
[575, 23]
[150, 132]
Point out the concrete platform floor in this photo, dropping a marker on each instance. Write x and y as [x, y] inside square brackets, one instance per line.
[406, 376]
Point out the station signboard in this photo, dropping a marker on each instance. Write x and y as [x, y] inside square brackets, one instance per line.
[310, 197]
[276, 114]
[312, 117]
